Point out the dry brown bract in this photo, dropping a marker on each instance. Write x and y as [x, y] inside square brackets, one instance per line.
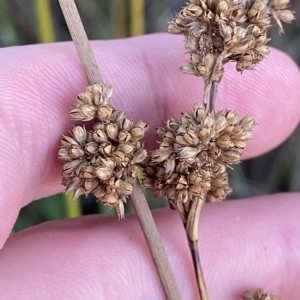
[259, 295]
[218, 31]
[194, 153]
[100, 160]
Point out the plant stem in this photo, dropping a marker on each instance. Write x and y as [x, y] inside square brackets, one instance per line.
[156, 248]
[73, 208]
[213, 95]
[192, 227]
[198, 269]
[138, 199]
[81, 41]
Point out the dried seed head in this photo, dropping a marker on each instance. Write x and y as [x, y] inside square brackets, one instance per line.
[279, 12]
[94, 102]
[100, 160]
[227, 30]
[259, 295]
[192, 163]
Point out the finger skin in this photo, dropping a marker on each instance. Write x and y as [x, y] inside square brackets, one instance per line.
[40, 82]
[244, 245]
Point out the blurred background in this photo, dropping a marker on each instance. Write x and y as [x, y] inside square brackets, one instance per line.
[41, 21]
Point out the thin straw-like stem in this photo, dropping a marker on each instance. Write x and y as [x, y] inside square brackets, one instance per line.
[136, 27]
[156, 248]
[212, 85]
[81, 41]
[139, 201]
[198, 269]
[73, 208]
[213, 95]
[192, 226]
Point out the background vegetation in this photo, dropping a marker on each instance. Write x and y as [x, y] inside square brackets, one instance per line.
[40, 21]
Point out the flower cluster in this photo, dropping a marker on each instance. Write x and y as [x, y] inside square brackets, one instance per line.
[259, 295]
[194, 154]
[100, 160]
[218, 31]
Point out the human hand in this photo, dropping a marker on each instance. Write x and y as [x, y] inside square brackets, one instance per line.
[244, 244]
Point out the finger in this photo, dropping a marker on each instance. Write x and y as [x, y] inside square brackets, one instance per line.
[246, 244]
[39, 84]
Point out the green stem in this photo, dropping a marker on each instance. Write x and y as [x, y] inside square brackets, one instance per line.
[73, 208]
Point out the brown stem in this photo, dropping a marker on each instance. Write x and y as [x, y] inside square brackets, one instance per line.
[213, 95]
[156, 248]
[138, 199]
[191, 228]
[211, 84]
[207, 85]
[198, 269]
[81, 41]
